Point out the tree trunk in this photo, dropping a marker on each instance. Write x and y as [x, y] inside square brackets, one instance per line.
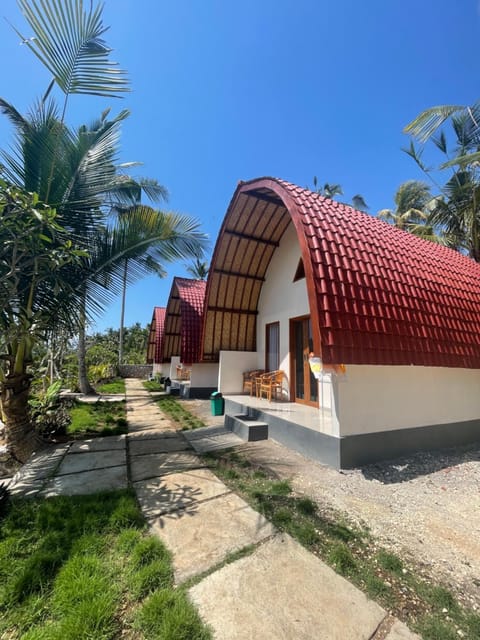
[122, 313]
[20, 434]
[83, 383]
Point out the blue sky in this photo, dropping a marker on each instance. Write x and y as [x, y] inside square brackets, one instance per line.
[226, 91]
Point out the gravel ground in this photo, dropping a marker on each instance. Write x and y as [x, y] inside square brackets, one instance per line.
[425, 507]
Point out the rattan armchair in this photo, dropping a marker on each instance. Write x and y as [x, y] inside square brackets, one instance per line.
[270, 384]
[249, 380]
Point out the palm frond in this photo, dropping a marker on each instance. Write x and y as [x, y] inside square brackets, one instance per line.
[416, 154]
[441, 142]
[12, 114]
[462, 161]
[68, 41]
[145, 237]
[358, 201]
[427, 122]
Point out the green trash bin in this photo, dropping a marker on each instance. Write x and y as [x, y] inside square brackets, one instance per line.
[217, 403]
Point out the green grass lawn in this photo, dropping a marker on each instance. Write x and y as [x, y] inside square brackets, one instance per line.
[429, 609]
[175, 409]
[101, 419]
[153, 385]
[113, 386]
[78, 568]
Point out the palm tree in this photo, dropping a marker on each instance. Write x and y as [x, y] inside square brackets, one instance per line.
[35, 254]
[198, 269]
[457, 210]
[414, 204]
[75, 172]
[331, 190]
[87, 189]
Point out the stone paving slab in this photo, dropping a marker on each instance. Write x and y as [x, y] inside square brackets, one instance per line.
[87, 482]
[400, 631]
[202, 432]
[202, 535]
[140, 436]
[111, 397]
[282, 591]
[159, 444]
[218, 439]
[151, 426]
[110, 443]
[31, 477]
[158, 464]
[89, 461]
[177, 491]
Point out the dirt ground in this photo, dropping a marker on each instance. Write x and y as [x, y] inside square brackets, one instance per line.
[425, 507]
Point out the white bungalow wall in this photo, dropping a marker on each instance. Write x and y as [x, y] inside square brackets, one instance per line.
[231, 366]
[161, 369]
[204, 374]
[281, 299]
[371, 399]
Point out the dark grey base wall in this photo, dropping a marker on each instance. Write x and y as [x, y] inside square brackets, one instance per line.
[371, 447]
[349, 452]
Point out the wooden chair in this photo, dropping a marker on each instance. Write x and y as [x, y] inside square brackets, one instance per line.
[249, 380]
[270, 383]
[183, 373]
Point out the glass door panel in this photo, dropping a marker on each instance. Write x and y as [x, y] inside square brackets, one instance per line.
[305, 385]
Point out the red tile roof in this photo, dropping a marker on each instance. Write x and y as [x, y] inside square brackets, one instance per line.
[385, 296]
[184, 319]
[156, 336]
[377, 295]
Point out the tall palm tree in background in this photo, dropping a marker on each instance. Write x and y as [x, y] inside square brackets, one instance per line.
[414, 206]
[457, 209]
[198, 269]
[331, 190]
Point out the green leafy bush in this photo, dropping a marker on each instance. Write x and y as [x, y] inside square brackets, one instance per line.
[49, 413]
[99, 372]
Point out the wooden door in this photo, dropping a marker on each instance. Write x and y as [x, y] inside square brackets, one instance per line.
[304, 385]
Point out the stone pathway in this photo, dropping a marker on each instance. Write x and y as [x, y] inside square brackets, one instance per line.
[276, 591]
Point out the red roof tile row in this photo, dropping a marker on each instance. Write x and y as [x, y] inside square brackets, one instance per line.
[384, 296]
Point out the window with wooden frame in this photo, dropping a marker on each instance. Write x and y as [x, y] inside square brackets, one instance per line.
[272, 346]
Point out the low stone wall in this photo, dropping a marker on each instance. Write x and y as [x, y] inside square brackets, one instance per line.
[141, 371]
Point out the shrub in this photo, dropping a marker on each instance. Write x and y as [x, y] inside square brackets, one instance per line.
[99, 372]
[49, 414]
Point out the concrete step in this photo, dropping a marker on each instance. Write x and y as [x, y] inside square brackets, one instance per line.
[246, 427]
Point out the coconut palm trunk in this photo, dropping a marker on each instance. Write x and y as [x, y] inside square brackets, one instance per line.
[122, 313]
[20, 436]
[83, 382]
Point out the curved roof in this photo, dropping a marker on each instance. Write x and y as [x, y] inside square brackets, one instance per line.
[377, 295]
[155, 337]
[183, 320]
